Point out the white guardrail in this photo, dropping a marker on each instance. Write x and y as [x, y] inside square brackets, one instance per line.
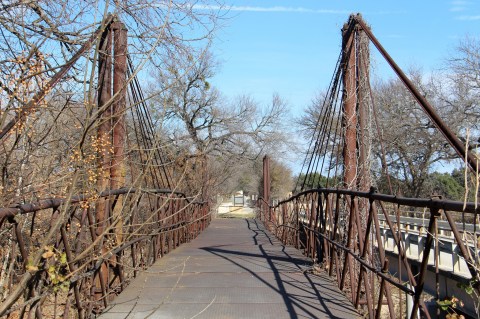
[413, 235]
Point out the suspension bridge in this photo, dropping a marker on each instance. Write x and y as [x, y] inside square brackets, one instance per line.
[135, 245]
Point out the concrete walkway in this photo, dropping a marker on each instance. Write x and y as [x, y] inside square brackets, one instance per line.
[234, 269]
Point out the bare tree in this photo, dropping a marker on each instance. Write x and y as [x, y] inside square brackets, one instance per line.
[411, 142]
[463, 94]
[205, 125]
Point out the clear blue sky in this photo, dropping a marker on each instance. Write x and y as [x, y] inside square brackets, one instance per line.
[290, 47]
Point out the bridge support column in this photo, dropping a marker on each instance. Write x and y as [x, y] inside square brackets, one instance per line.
[356, 102]
[364, 109]
[266, 187]
[349, 122]
[117, 169]
[349, 130]
[110, 144]
[103, 150]
[355, 65]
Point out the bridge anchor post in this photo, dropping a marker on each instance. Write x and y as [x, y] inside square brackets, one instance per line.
[111, 138]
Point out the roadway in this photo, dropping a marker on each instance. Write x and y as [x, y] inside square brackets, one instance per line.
[234, 269]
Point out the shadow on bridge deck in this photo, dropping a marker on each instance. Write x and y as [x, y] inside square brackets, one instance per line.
[235, 269]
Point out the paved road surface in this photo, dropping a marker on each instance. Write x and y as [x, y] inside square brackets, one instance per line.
[234, 269]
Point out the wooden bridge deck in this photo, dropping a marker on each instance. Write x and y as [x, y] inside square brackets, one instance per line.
[234, 269]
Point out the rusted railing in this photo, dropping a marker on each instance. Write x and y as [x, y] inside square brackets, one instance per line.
[340, 230]
[56, 262]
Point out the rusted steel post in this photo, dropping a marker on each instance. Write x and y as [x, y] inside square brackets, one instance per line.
[437, 270]
[103, 144]
[434, 214]
[349, 129]
[363, 109]
[117, 168]
[333, 250]
[381, 292]
[297, 226]
[320, 223]
[348, 263]
[363, 95]
[349, 121]
[266, 187]
[461, 245]
[324, 223]
[384, 261]
[313, 224]
[364, 252]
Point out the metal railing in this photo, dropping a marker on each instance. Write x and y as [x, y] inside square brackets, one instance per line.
[341, 231]
[58, 261]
